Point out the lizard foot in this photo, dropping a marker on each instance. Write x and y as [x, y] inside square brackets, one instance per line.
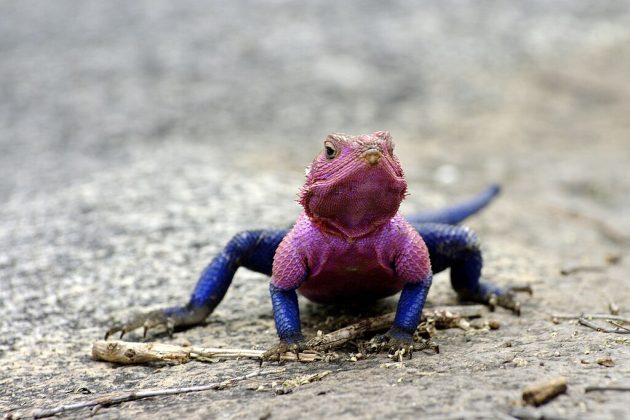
[494, 296]
[507, 298]
[395, 341]
[276, 352]
[147, 320]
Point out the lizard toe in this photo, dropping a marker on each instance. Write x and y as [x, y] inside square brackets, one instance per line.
[276, 352]
[494, 296]
[395, 342]
[147, 321]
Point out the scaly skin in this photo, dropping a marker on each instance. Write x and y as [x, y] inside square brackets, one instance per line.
[349, 244]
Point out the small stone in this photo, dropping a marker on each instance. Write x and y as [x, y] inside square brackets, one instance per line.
[613, 308]
[613, 259]
[519, 362]
[606, 361]
[184, 342]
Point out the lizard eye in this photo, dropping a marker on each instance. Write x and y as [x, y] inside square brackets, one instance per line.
[331, 150]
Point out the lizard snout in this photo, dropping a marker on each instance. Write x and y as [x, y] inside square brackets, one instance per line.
[372, 156]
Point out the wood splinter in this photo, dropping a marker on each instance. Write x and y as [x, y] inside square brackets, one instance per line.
[541, 393]
[132, 353]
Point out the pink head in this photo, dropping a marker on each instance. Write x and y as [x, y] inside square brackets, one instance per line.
[355, 185]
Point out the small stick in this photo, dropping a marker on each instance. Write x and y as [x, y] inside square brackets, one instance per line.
[130, 353]
[587, 323]
[594, 388]
[572, 269]
[539, 394]
[339, 337]
[209, 352]
[592, 316]
[618, 325]
[126, 352]
[137, 395]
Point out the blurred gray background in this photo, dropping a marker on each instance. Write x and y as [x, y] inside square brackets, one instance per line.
[88, 87]
[137, 137]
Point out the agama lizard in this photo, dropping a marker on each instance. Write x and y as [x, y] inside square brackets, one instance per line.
[349, 244]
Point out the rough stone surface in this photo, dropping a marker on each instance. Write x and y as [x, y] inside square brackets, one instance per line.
[137, 137]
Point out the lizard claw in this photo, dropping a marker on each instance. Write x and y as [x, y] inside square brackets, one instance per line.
[147, 321]
[276, 352]
[522, 288]
[399, 343]
[507, 299]
[494, 296]
[395, 342]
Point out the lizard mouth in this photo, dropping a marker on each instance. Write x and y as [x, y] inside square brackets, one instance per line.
[372, 156]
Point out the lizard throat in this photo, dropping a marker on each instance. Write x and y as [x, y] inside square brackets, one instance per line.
[357, 203]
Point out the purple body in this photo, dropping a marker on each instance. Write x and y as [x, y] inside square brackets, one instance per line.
[342, 270]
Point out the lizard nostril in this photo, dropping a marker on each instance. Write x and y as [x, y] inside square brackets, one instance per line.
[372, 156]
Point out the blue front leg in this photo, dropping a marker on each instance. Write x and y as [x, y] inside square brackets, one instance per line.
[286, 313]
[409, 310]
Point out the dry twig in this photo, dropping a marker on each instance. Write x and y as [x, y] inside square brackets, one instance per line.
[137, 395]
[129, 352]
[594, 388]
[587, 323]
[618, 325]
[574, 268]
[609, 260]
[592, 316]
[586, 320]
[539, 394]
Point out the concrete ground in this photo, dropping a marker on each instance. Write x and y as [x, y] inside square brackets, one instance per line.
[137, 137]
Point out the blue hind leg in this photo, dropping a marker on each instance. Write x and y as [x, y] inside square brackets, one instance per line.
[250, 249]
[457, 248]
[457, 213]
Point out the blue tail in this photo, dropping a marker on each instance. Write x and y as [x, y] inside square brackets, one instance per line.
[456, 214]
